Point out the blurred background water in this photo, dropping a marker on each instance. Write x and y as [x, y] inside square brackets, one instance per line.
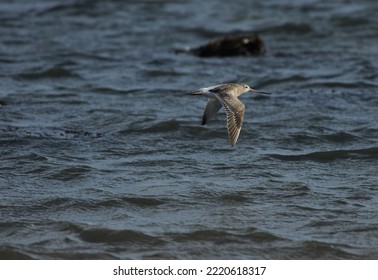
[103, 155]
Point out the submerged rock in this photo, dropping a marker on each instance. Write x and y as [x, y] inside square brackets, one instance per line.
[244, 45]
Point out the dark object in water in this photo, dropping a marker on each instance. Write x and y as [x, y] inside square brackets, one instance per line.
[245, 45]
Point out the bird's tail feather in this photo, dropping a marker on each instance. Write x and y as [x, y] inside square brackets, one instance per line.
[194, 92]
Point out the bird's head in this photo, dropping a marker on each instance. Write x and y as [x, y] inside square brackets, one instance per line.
[247, 88]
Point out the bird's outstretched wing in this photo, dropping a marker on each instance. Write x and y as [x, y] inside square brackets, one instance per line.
[235, 114]
[212, 107]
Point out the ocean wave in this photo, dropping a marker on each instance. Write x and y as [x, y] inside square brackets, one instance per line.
[351, 20]
[222, 236]
[340, 137]
[328, 156]
[288, 27]
[115, 91]
[316, 250]
[16, 134]
[12, 253]
[123, 201]
[104, 235]
[314, 139]
[58, 203]
[70, 173]
[341, 84]
[55, 72]
[247, 242]
[153, 127]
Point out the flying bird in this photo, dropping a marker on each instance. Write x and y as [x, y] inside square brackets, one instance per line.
[226, 95]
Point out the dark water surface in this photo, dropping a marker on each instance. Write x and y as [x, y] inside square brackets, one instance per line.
[103, 155]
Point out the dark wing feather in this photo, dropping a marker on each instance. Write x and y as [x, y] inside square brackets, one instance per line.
[212, 107]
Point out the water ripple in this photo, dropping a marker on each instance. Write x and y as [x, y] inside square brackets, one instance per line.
[51, 73]
[329, 156]
[102, 235]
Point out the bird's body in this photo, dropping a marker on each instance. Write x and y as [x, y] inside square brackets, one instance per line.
[226, 95]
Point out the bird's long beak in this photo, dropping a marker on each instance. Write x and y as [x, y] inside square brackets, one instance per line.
[260, 91]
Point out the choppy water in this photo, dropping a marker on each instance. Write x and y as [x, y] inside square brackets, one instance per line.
[103, 155]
